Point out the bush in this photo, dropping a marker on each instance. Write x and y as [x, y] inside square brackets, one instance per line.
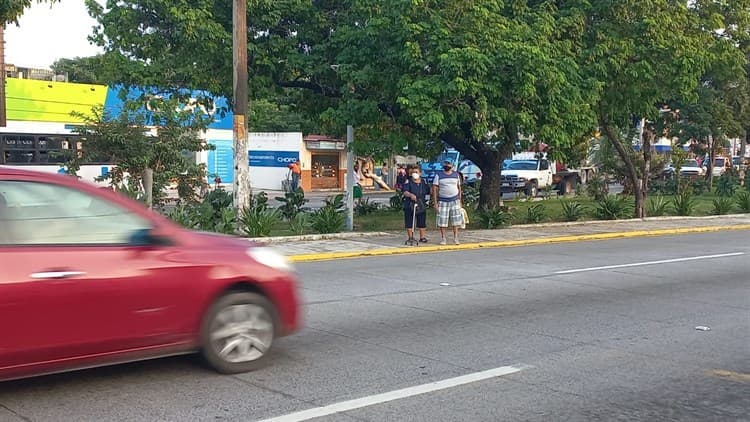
[743, 201]
[292, 204]
[300, 223]
[397, 201]
[663, 187]
[699, 186]
[536, 214]
[723, 205]
[684, 203]
[492, 218]
[257, 221]
[365, 207]
[657, 206]
[597, 187]
[226, 221]
[613, 207]
[470, 193]
[572, 211]
[727, 184]
[330, 218]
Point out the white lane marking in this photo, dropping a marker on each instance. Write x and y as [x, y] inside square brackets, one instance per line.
[640, 264]
[348, 405]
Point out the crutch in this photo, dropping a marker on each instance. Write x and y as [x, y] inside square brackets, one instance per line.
[412, 241]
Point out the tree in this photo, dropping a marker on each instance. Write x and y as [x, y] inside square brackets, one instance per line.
[138, 141]
[481, 76]
[11, 10]
[641, 54]
[87, 70]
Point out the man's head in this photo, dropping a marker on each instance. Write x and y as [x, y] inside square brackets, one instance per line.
[447, 165]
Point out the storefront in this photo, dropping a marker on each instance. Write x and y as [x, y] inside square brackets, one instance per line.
[327, 163]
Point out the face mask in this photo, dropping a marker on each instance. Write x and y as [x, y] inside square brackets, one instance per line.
[415, 176]
[447, 168]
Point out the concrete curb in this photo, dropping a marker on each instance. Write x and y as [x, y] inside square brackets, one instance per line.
[326, 256]
[313, 237]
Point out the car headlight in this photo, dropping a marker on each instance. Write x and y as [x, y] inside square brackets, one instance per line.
[521, 179]
[270, 258]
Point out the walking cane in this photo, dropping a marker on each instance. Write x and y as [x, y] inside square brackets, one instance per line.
[411, 241]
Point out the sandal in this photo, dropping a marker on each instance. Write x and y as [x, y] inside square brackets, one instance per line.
[423, 240]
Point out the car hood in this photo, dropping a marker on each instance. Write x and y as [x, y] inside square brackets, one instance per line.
[222, 241]
[520, 173]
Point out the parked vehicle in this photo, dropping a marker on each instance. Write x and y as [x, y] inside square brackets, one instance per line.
[89, 277]
[529, 172]
[690, 168]
[721, 165]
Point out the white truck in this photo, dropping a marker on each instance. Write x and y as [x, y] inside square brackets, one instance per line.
[529, 172]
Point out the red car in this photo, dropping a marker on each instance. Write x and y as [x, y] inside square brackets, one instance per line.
[89, 277]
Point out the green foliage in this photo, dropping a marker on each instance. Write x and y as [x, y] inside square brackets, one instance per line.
[257, 221]
[126, 140]
[300, 223]
[536, 213]
[11, 10]
[226, 221]
[657, 206]
[572, 211]
[397, 201]
[663, 187]
[613, 207]
[597, 187]
[218, 199]
[723, 205]
[697, 186]
[492, 218]
[292, 204]
[365, 207]
[330, 218]
[727, 184]
[84, 70]
[684, 203]
[470, 194]
[743, 201]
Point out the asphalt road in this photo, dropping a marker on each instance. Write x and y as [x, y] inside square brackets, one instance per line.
[571, 341]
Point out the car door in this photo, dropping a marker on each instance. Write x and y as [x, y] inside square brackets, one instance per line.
[72, 284]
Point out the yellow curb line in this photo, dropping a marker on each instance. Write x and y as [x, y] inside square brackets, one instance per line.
[326, 256]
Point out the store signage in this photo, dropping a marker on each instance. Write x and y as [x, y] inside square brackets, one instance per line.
[325, 145]
[272, 158]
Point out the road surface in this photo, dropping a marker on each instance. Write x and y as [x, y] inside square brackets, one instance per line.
[579, 331]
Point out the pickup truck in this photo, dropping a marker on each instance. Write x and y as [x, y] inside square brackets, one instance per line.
[529, 172]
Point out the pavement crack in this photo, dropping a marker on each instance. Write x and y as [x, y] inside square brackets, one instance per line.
[18, 415]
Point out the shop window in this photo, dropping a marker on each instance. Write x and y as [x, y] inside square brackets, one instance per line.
[325, 171]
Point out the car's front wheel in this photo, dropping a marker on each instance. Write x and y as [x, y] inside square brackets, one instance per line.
[237, 332]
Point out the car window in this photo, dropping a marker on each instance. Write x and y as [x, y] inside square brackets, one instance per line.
[35, 213]
[522, 165]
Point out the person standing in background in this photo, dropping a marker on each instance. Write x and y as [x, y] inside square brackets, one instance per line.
[446, 191]
[415, 199]
[296, 169]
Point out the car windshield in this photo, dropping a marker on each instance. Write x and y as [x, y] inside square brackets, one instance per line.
[689, 163]
[522, 165]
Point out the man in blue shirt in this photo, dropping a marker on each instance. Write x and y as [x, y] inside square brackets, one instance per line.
[446, 189]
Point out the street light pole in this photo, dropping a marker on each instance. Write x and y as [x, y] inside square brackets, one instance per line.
[240, 93]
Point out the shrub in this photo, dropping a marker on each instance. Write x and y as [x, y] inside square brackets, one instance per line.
[722, 205]
[492, 218]
[470, 193]
[226, 221]
[727, 184]
[663, 187]
[684, 203]
[743, 201]
[365, 207]
[397, 201]
[257, 221]
[536, 213]
[292, 204]
[300, 223]
[613, 207]
[572, 211]
[330, 218]
[699, 186]
[657, 206]
[597, 187]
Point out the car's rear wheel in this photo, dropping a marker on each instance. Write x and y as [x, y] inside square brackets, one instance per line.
[238, 332]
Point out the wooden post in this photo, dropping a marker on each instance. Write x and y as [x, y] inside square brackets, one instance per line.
[240, 93]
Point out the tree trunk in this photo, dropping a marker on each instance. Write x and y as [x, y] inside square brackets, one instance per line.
[148, 187]
[632, 173]
[489, 189]
[710, 166]
[646, 141]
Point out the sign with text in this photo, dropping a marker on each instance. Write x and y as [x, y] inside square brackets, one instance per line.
[272, 158]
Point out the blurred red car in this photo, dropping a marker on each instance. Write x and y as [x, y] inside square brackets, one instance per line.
[89, 277]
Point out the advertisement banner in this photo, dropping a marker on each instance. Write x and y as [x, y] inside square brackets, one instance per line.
[272, 158]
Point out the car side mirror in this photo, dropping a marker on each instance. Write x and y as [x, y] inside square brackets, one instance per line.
[149, 237]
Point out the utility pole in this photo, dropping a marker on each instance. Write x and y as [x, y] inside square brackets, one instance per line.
[240, 93]
[3, 107]
[349, 179]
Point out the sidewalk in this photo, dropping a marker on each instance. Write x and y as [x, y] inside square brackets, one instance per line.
[350, 245]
